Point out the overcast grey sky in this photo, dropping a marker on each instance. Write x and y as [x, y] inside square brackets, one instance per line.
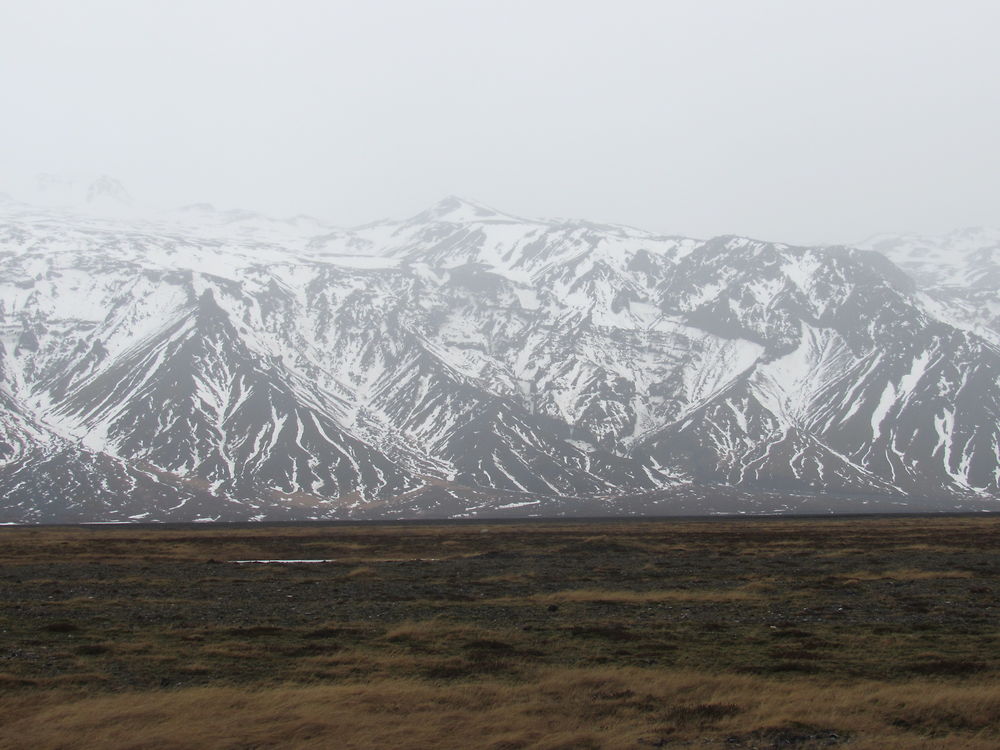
[795, 120]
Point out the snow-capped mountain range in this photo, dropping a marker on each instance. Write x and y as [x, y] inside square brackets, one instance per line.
[204, 364]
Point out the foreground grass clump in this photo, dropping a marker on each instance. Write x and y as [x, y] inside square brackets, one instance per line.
[875, 633]
[557, 708]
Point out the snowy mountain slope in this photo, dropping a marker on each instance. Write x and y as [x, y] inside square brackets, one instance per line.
[958, 275]
[962, 258]
[221, 364]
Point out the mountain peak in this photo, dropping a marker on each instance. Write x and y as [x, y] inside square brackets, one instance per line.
[457, 210]
[105, 194]
[469, 363]
[107, 188]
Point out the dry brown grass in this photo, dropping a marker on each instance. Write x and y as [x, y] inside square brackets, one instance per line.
[621, 596]
[558, 708]
[362, 571]
[434, 631]
[907, 574]
[742, 634]
[508, 578]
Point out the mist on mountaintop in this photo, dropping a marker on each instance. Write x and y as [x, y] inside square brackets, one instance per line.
[804, 123]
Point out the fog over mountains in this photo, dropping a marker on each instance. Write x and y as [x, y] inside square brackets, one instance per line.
[206, 364]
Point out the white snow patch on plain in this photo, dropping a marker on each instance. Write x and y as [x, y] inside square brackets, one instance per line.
[279, 562]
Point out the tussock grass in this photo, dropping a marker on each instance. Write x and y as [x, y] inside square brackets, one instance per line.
[362, 571]
[557, 708]
[508, 578]
[741, 634]
[907, 574]
[435, 631]
[620, 596]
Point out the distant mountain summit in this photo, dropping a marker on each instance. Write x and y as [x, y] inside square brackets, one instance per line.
[455, 209]
[106, 188]
[212, 364]
[103, 195]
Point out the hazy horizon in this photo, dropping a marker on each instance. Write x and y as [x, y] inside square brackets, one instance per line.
[785, 121]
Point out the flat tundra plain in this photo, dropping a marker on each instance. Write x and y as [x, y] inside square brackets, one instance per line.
[753, 633]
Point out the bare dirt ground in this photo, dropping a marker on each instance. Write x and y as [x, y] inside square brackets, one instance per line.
[793, 633]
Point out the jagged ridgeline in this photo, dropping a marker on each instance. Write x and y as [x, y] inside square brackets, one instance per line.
[208, 364]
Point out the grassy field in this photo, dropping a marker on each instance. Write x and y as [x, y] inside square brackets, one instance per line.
[874, 633]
